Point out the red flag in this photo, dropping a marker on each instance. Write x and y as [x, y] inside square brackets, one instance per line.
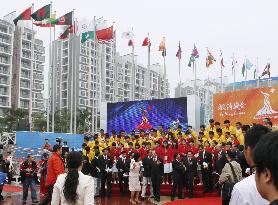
[25, 15]
[130, 43]
[179, 52]
[145, 42]
[105, 34]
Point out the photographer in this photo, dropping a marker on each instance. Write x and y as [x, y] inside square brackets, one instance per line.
[28, 169]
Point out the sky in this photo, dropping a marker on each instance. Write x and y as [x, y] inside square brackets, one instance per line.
[247, 28]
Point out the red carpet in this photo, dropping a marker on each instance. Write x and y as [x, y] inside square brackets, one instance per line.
[11, 188]
[197, 201]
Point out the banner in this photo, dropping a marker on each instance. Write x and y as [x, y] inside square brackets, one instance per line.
[247, 106]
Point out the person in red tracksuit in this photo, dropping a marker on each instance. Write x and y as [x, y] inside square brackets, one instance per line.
[114, 155]
[183, 148]
[143, 151]
[157, 149]
[166, 153]
[55, 167]
[191, 147]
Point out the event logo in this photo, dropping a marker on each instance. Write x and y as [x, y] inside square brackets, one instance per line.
[266, 110]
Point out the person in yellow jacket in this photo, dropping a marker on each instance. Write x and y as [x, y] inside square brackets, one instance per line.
[238, 129]
[228, 127]
[212, 137]
[88, 152]
[113, 137]
[179, 129]
[211, 126]
[204, 131]
[220, 136]
[87, 141]
[160, 130]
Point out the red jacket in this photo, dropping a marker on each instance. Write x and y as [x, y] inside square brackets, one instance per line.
[55, 167]
[166, 154]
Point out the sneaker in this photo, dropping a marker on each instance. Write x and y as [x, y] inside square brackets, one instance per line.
[35, 201]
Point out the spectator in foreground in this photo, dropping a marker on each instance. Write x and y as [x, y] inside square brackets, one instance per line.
[266, 164]
[3, 174]
[231, 173]
[73, 187]
[28, 169]
[245, 191]
[55, 167]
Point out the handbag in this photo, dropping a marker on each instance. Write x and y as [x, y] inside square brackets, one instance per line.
[228, 186]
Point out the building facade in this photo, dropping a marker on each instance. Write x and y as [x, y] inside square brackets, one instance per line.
[204, 90]
[6, 50]
[27, 70]
[86, 74]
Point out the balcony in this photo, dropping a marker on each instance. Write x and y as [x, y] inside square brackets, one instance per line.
[4, 93]
[6, 41]
[4, 82]
[5, 50]
[4, 103]
[4, 71]
[25, 96]
[25, 76]
[25, 65]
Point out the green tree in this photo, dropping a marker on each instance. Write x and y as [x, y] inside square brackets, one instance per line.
[39, 121]
[84, 120]
[62, 121]
[15, 119]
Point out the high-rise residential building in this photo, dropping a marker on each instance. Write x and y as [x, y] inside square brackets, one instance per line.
[27, 70]
[86, 74]
[159, 86]
[6, 51]
[204, 90]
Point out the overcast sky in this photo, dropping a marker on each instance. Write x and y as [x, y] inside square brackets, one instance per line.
[243, 27]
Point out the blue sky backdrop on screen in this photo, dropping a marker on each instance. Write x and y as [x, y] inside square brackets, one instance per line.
[146, 114]
[243, 27]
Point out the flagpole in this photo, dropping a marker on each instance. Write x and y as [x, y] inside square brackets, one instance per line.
[245, 73]
[233, 72]
[149, 69]
[75, 79]
[47, 104]
[133, 72]
[257, 66]
[72, 87]
[195, 77]
[221, 67]
[180, 76]
[31, 76]
[53, 84]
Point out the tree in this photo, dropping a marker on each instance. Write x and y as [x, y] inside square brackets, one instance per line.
[62, 120]
[84, 120]
[39, 121]
[15, 119]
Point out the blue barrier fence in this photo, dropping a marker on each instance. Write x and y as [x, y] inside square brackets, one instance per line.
[31, 142]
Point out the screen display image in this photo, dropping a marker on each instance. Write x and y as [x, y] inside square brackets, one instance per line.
[147, 114]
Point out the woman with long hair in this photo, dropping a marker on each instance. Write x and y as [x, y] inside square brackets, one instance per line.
[134, 182]
[73, 187]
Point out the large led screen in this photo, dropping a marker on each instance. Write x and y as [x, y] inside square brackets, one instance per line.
[146, 114]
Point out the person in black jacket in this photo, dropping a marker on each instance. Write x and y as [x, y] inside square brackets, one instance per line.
[4, 169]
[86, 168]
[206, 169]
[241, 160]
[190, 164]
[95, 173]
[178, 172]
[123, 165]
[147, 174]
[105, 166]
[220, 159]
[157, 170]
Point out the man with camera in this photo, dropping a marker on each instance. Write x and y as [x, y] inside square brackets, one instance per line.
[27, 171]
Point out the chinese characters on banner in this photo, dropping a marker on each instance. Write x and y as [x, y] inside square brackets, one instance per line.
[247, 106]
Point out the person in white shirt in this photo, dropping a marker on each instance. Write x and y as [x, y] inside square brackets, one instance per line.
[73, 187]
[245, 192]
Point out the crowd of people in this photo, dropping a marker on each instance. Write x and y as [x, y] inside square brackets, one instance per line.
[217, 157]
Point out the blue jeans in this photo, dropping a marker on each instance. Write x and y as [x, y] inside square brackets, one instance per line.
[28, 181]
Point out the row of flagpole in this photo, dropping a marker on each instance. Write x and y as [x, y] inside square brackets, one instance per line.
[46, 12]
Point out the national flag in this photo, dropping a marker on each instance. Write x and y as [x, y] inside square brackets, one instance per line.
[42, 13]
[195, 52]
[266, 70]
[105, 34]
[194, 55]
[243, 70]
[178, 55]
[25, 15]
[210, 59]
[163, 53]
[129, 36]
[46, 22]
[66, 19]
[65, 34]
[86, 29]
[255, 73]
[248, 64]
[146, 42]
[162, 45]
[222, 60]
[234, 62]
